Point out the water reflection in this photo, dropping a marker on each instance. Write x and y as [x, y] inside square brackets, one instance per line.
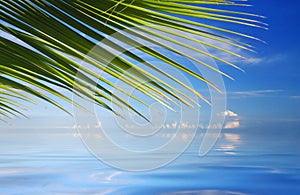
[230, 143]
[241, 163]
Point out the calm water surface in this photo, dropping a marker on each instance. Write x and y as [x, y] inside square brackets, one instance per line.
[258, 160]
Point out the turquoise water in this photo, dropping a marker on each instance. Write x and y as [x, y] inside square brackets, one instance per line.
[263, 159]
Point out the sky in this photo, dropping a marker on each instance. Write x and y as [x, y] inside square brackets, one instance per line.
[258, 146]
[267, 91]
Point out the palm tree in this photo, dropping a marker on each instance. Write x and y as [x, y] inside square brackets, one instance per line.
[56, 34]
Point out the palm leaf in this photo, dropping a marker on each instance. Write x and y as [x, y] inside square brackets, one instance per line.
[52, 32]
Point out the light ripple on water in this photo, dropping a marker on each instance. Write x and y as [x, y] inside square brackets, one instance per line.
[250, 168]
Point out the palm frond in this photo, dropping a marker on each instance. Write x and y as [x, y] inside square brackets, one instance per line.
[58, 34]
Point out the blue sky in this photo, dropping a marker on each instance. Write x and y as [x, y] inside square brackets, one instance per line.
[268, 89]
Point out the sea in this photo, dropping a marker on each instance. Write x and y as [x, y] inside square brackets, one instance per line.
[260, 159]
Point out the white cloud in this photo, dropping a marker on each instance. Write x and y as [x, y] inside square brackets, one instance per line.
[214, 126]
[265, 60]
[174, 125]
[295, 97]
[96, 126]
[232, 121]
[229, 113]
[232, 125]
[253, 93]
[181, 125]
[246, 57]
[254, 60]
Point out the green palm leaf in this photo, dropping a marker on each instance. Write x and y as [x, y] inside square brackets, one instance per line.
[58, 34]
